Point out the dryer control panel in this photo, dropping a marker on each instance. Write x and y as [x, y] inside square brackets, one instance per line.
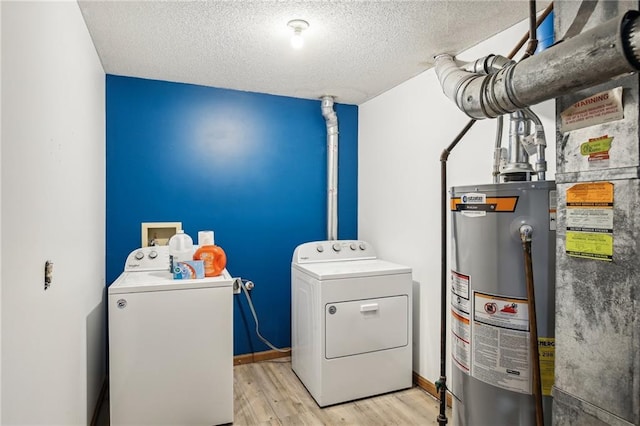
[336, 250]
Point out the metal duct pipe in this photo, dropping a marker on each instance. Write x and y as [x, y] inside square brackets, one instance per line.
[487, 65]
[593, 57]
[331, 118]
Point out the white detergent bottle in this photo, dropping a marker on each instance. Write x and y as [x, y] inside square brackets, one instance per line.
[180, 248]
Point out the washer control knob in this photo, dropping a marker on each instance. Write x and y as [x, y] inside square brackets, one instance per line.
[139, 255]
[319, 248]
[336, 247]
[353, 246]
[153, 254]
[363, 246]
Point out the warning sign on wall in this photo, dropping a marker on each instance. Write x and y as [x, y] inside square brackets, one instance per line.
[590, 221]
[600, 108]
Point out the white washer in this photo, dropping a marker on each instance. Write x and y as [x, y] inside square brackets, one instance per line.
[351, 321]
[170, 345]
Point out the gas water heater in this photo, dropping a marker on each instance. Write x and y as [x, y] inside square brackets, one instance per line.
[503, 255]
[503, 234]
[491, 361]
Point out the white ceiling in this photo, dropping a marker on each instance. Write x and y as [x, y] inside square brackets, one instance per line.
[354, 50]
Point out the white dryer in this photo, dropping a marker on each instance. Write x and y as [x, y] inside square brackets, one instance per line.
[351, 321]
[170, 345]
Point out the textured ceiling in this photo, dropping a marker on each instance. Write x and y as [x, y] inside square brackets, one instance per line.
[354, 50]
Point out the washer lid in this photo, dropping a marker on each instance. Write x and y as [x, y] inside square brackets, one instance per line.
[351, 269]
[142, 281]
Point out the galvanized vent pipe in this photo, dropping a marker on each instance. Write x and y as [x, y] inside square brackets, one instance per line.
[593, 57]
[331, 119]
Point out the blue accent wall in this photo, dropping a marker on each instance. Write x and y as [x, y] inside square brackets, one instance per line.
[545, 34]
[252, 167]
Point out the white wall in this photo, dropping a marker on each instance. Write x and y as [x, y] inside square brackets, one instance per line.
[52, 207]
[401, 135]
[0, 215]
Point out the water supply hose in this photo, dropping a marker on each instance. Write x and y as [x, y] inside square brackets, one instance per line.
[526, 232]
[244, 284]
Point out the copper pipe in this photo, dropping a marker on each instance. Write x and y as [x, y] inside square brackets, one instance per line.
[525, 37]
[525, 234]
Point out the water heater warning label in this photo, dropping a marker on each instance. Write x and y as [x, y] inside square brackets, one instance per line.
[460, 338]
[460, 292]
[499, 344]
[460, 330]
[505, 312]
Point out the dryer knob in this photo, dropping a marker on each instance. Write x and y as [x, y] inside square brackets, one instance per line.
[353, 246]
[139, 255]
[363, 246]
[336, 247]
[320, 248]
[153, 254]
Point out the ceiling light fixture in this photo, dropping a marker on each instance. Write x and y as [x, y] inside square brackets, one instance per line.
[297, 25]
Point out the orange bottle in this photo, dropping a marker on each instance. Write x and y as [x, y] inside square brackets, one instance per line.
[213, 256]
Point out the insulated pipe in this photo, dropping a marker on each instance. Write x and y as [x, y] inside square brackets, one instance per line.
[593, 57]
[331, 119]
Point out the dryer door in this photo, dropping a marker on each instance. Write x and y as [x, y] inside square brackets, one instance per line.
[366, 325]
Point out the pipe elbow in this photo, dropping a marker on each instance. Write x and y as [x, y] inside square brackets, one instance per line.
[478, 94]
[451, 77]
[329, 114]
[455, 81]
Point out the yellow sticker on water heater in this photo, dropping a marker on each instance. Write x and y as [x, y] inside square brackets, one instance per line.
[547, 355]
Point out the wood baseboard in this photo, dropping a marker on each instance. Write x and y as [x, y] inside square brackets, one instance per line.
[259, 356]
[429, 387]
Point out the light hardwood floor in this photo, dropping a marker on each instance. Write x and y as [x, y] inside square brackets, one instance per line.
[269, 393]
